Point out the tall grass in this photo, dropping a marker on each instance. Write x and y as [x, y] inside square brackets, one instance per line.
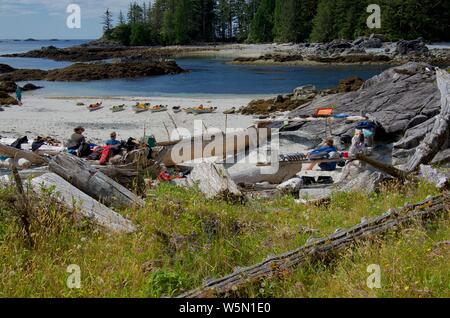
[184, 239]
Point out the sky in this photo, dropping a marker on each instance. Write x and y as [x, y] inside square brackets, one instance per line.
[46, 19]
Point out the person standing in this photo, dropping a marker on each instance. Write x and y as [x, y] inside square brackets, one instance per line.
[19, 95]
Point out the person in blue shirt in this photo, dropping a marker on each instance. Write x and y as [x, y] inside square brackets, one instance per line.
[113, 141]
[323, 153]
[19, 95]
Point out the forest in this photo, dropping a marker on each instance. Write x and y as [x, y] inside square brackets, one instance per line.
[168, 22]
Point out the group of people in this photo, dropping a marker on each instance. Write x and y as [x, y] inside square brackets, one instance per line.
[78, 145]
[327, 155]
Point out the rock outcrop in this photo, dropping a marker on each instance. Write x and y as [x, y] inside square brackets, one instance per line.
[6, 99]
[4, 68]
[96, 71]
[403, 101]
[412, 47]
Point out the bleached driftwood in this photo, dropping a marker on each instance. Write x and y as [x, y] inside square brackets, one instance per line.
[83, 204]
[388, 169]
[214, 181]
[19, 154]
[93, 182]
[434, 141]
[255, 174]
[328, 246]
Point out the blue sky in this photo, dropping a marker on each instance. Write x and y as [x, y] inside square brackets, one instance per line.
[46, 19]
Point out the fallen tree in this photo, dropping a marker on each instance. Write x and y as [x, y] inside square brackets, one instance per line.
[93, 182]
[18, 154]
[391, 220]
[82, 204]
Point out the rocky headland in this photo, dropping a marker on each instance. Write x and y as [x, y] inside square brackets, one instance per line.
[364, 50]
[403, 102]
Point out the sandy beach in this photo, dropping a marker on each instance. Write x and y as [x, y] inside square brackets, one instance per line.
[57, 116]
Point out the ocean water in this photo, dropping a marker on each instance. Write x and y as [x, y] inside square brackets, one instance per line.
[206, 76]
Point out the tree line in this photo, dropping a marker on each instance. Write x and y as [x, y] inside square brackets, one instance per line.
[261, 21]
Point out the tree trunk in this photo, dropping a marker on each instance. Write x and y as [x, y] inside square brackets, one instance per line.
[434, 141]
[390, 170]
[83, 204]
[18, 154]
[93, 182]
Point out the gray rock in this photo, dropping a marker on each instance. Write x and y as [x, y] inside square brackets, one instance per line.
[398, 100]
[442, 158]
[412, 47]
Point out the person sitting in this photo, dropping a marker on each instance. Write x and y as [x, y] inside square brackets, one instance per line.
[76, 140]
[358, 144]
[113, 141]
[323, 152]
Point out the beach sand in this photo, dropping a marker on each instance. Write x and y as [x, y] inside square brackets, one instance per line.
[57, 117]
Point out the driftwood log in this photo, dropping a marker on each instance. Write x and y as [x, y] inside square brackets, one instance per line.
[93, 182]
[274, 266]
[83, 204]
[388, 169]
[434, 141]
[18, 154]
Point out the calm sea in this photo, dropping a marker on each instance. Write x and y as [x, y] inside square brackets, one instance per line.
[207, 76]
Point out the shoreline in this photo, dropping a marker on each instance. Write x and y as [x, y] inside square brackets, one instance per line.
[57, 116]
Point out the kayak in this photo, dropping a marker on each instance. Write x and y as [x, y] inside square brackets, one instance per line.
[140, 108]
[200, 111]
[95, 107]
[158, 109]
[118, 108]
[177, 109]
[188, 110]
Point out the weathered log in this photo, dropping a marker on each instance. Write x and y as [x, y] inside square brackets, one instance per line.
[394, 219]
[248, 173]
[18, 153]
[390, 170]
[213, 144]
[93, 182]
[83, 204]
[434, 141]
[214, 181]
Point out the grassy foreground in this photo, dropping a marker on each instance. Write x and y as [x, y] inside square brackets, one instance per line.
[184, 240]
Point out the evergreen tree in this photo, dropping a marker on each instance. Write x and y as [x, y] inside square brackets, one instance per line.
[262, 24]
[324, 27]
[107, 21]
[121, 18]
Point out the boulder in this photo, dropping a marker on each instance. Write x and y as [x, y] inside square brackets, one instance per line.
[350, 84]
[412, 47]
[8, 86]
[442, 158]
[4, 68]
[30, 87]
[6, 99]
[305, 92]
